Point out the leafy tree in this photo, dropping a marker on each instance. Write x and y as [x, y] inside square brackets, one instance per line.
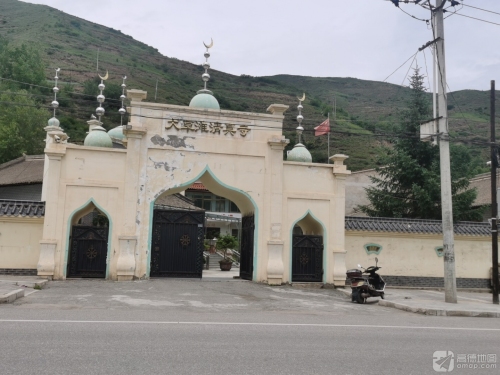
[21, 63]
[409, 185]
[21, 126]
[226, 242]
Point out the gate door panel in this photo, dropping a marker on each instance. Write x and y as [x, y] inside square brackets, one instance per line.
[177, 243]
[247, 242]
[89, 250]
[307, 258]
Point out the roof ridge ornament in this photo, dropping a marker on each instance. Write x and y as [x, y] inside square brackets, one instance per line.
[300, 129]
[299, 153]
[122, 111]
[55, 103]
[100, 98]
[206, 65]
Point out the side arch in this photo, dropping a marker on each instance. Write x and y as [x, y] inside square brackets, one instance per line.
[310, 225]
[84, 209]
[242, 199]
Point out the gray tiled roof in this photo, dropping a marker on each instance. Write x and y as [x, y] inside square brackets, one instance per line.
[22, 208]
[28, 192]
[23, 170]
[176, 201]
[380, 224]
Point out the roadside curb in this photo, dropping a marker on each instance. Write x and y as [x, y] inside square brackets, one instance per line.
[12, 296]
[439, 312]
[38, 284]
[346, 292]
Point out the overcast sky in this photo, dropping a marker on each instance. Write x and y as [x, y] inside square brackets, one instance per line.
[365, 39]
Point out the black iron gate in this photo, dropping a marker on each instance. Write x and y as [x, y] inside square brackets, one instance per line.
[247, 244]
[307, 258]
[177, 243]
[89, 250]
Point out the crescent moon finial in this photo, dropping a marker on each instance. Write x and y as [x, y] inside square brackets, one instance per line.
[303, 97]
[210, 45]
[105, 77]
[58, 69]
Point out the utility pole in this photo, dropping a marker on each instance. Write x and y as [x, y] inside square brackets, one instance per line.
[450, 282]
[156, 89]
[494, 207]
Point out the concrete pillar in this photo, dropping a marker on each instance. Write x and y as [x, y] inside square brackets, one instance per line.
[49, 246]
[129, 234]
[275, 243]
[337, 253]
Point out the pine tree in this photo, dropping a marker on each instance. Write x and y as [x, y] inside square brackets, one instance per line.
[408, 184]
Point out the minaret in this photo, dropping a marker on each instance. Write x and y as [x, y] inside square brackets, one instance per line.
[98, 137]
[54, 132]
[116, 134]
[204, 98]
[299, 152]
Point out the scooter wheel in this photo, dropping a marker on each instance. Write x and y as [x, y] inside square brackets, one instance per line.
[355, 295]
[359, 298]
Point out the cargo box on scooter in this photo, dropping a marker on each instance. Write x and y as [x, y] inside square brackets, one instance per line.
[354, 273]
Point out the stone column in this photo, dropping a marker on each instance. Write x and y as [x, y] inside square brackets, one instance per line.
[340, 173]
[275, 243]
[126, 264]
[49, 248]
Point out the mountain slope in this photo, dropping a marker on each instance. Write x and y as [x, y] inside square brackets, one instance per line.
[363, 107]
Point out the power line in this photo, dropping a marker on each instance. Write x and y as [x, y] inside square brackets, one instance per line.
[484, 10]
[478, 19]
[412, 56]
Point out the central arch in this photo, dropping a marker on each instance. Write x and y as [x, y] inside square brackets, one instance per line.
[242, 199]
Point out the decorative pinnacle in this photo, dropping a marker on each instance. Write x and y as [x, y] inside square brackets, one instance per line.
[300, 129]
[205, 76]
[55, 103]
[122, 110]
[100, 98]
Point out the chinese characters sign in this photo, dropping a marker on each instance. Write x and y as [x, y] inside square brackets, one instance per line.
[208, 127]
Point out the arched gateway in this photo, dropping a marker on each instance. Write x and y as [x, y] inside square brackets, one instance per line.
[164, 150]
[177, 232]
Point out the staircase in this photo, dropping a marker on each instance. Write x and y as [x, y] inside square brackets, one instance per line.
[214, 261]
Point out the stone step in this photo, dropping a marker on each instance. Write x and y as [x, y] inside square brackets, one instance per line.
[304, 285]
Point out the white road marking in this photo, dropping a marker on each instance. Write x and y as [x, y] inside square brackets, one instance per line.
[244, 324]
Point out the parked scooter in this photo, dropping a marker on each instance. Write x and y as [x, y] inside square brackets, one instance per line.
[364, 286]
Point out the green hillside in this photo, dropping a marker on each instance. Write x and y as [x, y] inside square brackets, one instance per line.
[363, 107]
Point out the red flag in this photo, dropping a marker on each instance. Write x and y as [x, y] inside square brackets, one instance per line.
[323, 128]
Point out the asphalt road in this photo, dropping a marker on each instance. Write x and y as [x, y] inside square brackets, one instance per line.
[233, 327]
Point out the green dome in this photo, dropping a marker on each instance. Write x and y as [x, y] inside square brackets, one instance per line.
[98, 138]
[300, 154]
[205, 101]
[54, 122]
[117, 133]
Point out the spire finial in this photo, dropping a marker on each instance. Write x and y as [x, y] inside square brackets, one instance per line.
[122, 111]
[55, 103]
[100, 98]
[206, 65]
[300, 129]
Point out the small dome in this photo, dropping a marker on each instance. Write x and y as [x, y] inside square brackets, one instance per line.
[54, 122]
[117, 133]
[299, 154]
[205, 101]
[98, 138]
